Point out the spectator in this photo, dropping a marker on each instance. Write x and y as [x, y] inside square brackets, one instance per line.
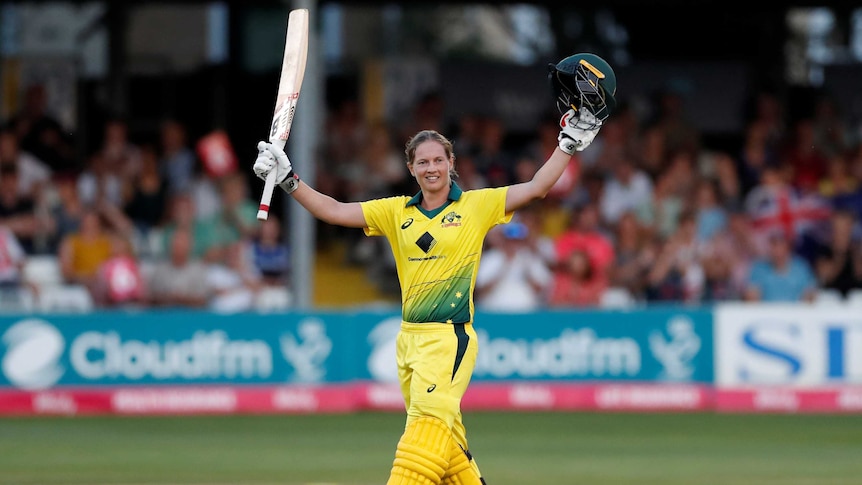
[737, 248]
[677, 274]
[234, 282]
[12, 260]
[469, 131]
[66, 211]
[711, 215]
[270, 253]
[635, 255]
[33, 174]
[119, 282]
[758, 152]
[781, 275]
[146, 195]
[587, 235]
[512, 276]
[628, 188]
[120, 155]
[83, 251]
[576, 283]
[206, 240]
[379, 170]
[98, 184]
[839, 262]
[238, 218]
[182, 280]
[17, 212]
[177, 158]
[729, 187]
[838, 181]
[652, 151]
[494, 161]
[805, 158]
[41, 133]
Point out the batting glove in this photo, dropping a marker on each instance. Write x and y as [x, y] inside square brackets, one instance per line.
[577, 131]
[271, 157]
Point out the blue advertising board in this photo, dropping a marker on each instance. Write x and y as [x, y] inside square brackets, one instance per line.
[176, 348]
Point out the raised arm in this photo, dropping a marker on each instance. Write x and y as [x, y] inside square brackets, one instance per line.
[576, 134]
[327, 209]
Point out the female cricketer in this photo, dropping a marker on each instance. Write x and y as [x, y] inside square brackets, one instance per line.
[437, 238]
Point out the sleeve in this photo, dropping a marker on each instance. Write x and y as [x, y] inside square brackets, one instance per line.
[495, 200]
[379, 215]
[755, 276]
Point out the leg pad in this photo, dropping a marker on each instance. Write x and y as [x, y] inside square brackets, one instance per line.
[422, 455]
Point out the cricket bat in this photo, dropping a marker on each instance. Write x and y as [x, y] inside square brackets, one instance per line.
[289, 84]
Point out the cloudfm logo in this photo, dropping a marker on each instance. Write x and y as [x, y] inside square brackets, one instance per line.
[33, 351]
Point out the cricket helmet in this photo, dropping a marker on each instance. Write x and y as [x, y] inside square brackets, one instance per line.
[584, 80]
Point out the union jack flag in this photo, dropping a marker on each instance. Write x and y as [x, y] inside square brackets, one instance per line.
[783, 208]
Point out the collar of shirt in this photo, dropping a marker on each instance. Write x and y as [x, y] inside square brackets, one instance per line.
[454, 194]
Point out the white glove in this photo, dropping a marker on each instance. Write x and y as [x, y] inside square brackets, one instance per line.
[577, 132]
[271, 157]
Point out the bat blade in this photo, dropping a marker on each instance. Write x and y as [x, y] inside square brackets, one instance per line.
[289, 86]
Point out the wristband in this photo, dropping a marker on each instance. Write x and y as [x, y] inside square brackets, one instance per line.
[291, 182]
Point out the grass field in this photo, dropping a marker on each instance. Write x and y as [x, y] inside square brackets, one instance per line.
[511, 448]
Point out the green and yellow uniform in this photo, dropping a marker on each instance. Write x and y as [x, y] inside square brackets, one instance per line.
[437, 255]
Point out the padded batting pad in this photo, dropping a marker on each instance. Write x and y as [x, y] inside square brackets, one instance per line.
[422, 455]
[462, 469]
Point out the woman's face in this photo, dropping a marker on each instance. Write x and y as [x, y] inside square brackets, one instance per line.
[431, 166]
[579, 264]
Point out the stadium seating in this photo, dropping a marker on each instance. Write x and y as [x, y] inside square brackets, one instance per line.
[273, 299]
[616, 297]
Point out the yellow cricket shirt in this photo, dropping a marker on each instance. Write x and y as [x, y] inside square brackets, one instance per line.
[437, 252]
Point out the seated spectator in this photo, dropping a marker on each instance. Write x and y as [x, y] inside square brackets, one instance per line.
[711, 215]
[182, 280]
[67, 210]
[121, 156]
[576, 283]
[83, 251]
[839, 262]
[635, 254]
[736, 248]
[207, 242]
[17, 212]
[513, 277]
[270, 253]
[677, 275]
[12, 260]
[177, 158]
[234, 283]
[628, 189]
[41, 132]
[781, 275]
[838, 180]
[238, 218]
[98, 184]
[33, 174]
[146, 195]
[119, 282]
[587, 235]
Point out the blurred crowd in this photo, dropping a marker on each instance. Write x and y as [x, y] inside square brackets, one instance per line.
[138, 223]
[650, 212]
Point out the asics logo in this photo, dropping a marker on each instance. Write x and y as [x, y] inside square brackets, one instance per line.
[431, 389]
[407, 223]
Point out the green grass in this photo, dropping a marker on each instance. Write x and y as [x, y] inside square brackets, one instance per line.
[511, 448]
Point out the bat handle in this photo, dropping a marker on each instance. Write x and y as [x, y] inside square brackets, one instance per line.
[266, 196]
